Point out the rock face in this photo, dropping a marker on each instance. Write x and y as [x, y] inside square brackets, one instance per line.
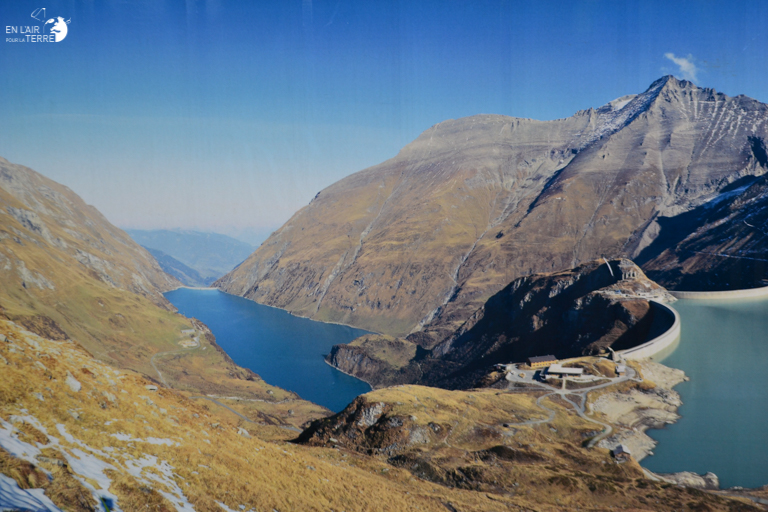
[472, 204]
[568, 314]
[720, 245]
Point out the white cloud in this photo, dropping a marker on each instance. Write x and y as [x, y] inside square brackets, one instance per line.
[687, 67]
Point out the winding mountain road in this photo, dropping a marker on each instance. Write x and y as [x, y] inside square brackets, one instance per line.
[185, 349]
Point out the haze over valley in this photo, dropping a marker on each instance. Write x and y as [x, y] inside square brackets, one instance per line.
[195, 258]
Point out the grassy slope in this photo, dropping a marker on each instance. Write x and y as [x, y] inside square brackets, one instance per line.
[466, 440]
[68, 273]
[211, 461]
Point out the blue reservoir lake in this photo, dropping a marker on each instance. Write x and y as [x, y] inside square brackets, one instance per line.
[724, 426]
[285, 350]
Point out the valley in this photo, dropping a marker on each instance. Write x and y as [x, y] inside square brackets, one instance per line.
[92, 434]
[487, 241]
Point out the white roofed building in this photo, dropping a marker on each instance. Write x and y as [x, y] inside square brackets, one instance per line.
[558, 369]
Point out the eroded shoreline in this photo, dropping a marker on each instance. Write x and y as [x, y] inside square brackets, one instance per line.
[653, 405]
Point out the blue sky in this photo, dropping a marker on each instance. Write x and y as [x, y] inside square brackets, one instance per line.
[229, 116]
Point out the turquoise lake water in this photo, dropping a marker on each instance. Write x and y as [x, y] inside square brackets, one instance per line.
[724, 426]
[285, 350]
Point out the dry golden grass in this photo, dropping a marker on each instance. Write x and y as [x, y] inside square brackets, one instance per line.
[68, 273]
[473, 440]
[211, 461]
[396, 352]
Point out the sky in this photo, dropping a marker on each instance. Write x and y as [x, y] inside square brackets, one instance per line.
[229, 116]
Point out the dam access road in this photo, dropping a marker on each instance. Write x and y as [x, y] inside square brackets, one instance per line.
[517, 377]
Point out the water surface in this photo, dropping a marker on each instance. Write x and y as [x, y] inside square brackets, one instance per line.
[285, 350]
[724, 426]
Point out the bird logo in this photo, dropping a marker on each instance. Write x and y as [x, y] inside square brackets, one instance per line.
[59, 28]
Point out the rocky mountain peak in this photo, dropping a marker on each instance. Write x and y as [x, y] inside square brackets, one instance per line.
[418, 242]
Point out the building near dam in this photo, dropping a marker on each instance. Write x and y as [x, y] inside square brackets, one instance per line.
[562, 371]
[541, 361]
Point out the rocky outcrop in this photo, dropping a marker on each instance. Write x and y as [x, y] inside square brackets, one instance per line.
[356, 361]
[707, 481]
[361, 426]
[424, 239]
[581, 311]
[377, 359]
[717, 246]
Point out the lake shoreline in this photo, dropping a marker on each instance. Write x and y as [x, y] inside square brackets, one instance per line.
[289, 312]
[349, 374]
[284, 350]
[635, 411]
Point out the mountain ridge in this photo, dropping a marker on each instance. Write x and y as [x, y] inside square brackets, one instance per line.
[420, 241]
[171, 266]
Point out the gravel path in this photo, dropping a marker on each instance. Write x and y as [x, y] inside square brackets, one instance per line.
[514, 377]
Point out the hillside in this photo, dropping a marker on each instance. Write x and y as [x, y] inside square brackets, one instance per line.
[719, 245]
[502, 444]
[107, 434]
[425, 238]
[67, 273]
[211, 254]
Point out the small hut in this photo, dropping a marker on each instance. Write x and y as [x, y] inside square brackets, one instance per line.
[621, 453]
[628, 270]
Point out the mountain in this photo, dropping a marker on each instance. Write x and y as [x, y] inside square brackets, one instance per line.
[94, 438]
[421, 241]
[719, 245]
[187, 275]
[570, 313]
[111, 401]
[212, 255]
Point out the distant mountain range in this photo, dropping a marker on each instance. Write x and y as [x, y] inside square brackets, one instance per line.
[170, 265]
[673, 178]
[208, 255]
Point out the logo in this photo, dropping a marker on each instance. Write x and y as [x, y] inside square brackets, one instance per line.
[48, 30]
